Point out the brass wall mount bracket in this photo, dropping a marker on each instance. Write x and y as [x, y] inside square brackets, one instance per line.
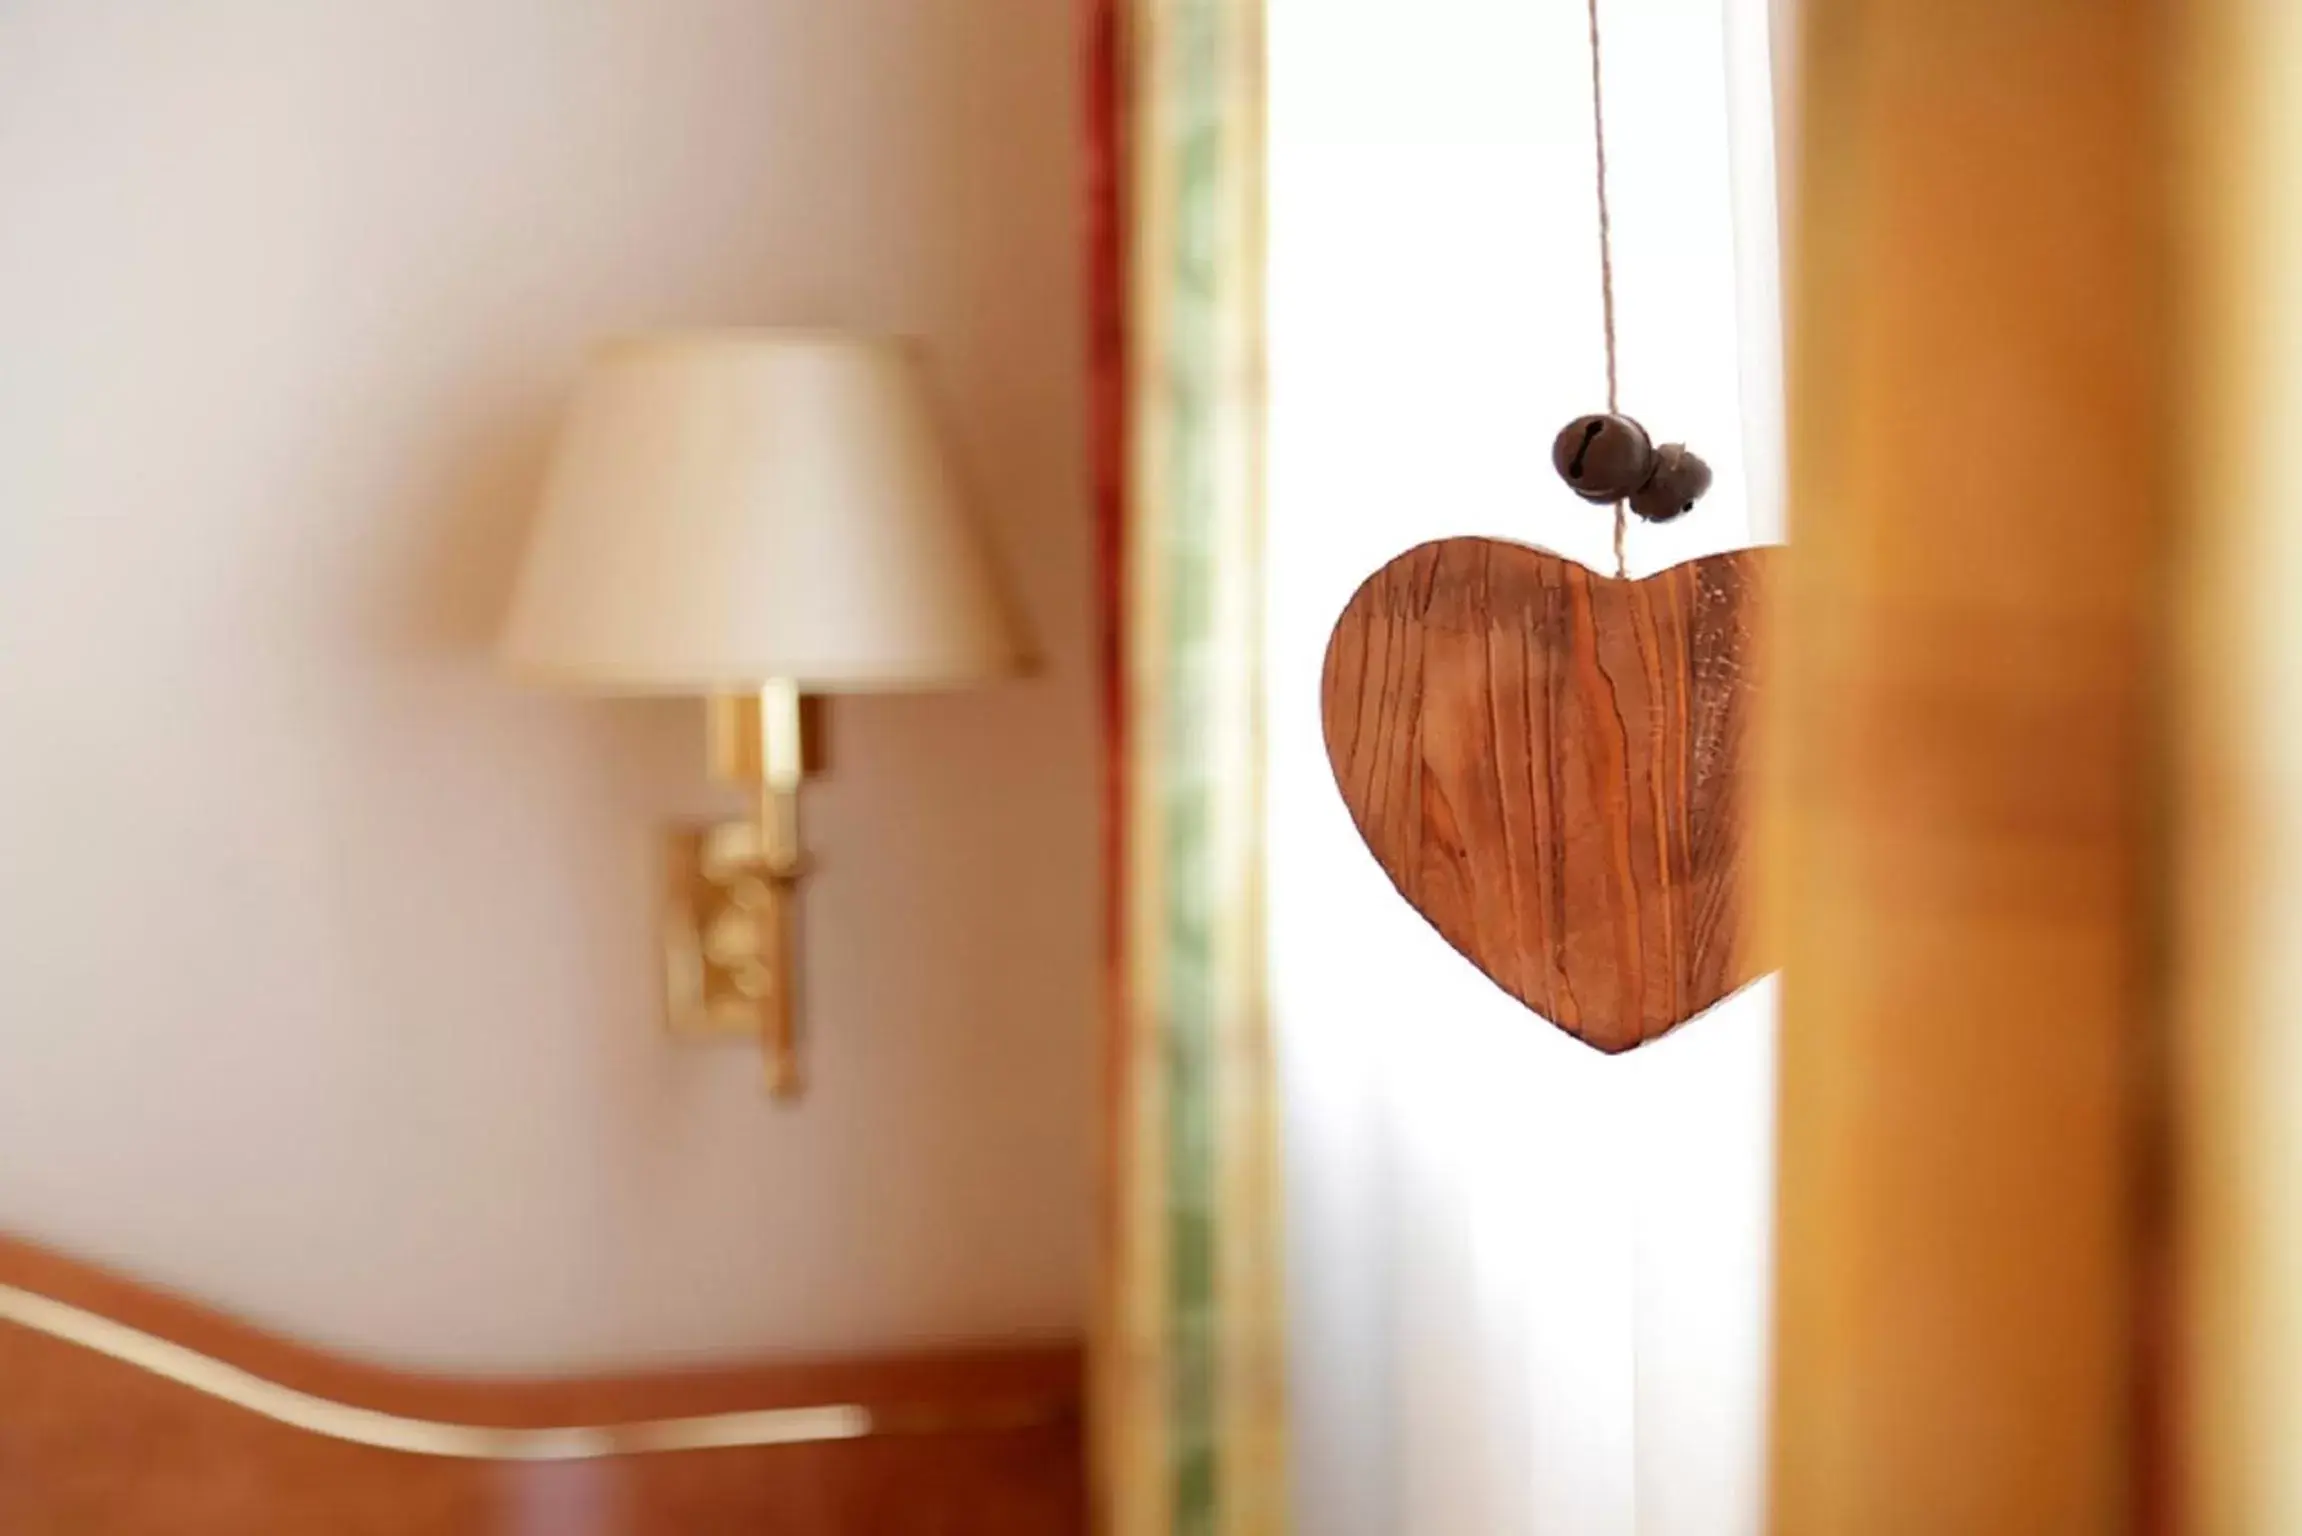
[731, 891]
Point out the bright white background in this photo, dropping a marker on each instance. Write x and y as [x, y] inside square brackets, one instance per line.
[1528, 1282]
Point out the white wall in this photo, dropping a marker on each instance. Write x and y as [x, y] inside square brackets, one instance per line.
[1529, 1283]
[325, 957]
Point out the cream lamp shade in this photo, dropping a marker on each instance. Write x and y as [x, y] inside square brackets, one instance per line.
[727, 508]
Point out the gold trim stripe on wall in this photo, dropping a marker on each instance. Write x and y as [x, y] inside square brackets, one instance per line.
[423, 1437]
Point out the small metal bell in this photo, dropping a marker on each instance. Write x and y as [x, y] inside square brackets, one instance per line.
[1604, 458]
[1679, 480]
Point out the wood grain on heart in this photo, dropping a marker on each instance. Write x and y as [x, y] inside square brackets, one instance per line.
[1550, 764]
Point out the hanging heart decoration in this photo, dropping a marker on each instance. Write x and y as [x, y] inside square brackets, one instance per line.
[1550, 764]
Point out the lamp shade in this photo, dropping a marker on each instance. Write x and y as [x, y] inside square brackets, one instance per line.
[729, 507]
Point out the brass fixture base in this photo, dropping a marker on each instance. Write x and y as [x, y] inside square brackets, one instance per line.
[731, 889]
[728, 921]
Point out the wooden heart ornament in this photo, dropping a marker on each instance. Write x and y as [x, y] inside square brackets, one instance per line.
[1550, 764]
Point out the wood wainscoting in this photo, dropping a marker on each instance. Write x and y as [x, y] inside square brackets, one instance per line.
[125, 1410]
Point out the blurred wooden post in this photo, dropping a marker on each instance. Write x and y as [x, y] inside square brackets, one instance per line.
[2240, 973]
[1967, 773]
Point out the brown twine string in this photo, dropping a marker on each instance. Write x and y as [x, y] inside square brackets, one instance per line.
[1606, 255]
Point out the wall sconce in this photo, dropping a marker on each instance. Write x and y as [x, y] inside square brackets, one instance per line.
[759, 518]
